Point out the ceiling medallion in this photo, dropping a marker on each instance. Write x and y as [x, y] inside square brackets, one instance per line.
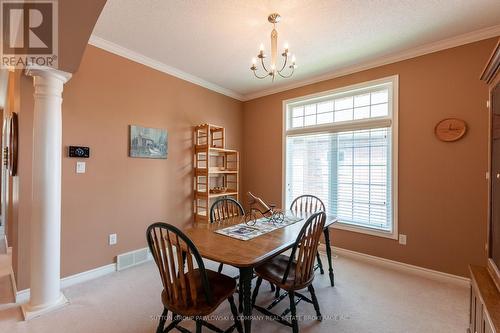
[284, 71]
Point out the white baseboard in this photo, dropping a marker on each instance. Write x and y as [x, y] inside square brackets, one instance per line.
[23, 296]
[425, 272]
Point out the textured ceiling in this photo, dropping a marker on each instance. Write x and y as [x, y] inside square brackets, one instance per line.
[215, 40]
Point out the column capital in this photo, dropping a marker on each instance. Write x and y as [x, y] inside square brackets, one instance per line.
[48, 72]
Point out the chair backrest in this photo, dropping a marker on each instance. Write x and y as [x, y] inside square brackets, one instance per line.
[171, 250]
[225, 208]
[305, 249]
[307, 204]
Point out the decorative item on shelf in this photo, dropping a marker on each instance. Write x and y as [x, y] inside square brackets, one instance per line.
[284, 71]
[13, 144]
[218, 189]
[148, 142]
[450, 129]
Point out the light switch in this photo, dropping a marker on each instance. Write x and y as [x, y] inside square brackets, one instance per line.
[80, 167]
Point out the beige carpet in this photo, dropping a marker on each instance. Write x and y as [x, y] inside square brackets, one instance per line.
[366, 298]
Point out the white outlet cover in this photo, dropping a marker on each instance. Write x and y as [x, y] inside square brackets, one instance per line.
[402, 239]
[80, 167]
[113, 239]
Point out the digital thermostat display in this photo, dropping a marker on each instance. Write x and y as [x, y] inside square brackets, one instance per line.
[80, 152]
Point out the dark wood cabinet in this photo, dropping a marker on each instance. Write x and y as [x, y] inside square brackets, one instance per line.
[485, 281]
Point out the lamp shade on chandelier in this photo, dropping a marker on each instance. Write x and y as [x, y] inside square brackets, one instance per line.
[284, 68]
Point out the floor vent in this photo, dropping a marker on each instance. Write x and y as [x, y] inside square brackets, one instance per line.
[132, 258]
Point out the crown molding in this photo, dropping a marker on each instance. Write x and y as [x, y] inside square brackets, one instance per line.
[467, 38]
[149, 62]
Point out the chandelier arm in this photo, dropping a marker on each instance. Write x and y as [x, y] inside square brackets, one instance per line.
[263, 65]
[259, 77]
[289, 75]
[284, 64]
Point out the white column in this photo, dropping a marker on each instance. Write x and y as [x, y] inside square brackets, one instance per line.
[45, 245]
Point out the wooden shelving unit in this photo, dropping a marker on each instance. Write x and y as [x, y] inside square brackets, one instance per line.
[214, 167]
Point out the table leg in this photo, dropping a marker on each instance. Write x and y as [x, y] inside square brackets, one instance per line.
[246, 274]
[326, 232]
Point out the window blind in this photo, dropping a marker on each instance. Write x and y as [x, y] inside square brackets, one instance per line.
[348, 171]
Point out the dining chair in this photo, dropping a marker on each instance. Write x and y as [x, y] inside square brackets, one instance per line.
[308, 203]
[225, 208]
[189, 292]
[293, 273]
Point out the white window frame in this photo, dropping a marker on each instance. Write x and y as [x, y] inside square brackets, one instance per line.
[391, 120]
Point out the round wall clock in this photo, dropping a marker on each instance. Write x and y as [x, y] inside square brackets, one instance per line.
[450, 129]
[13, 144]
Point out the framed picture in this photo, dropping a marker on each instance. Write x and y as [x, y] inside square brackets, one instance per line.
[13, 144]
[148, 142]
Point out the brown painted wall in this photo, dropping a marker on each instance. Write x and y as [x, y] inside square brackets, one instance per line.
[442, 186]
[119, 194]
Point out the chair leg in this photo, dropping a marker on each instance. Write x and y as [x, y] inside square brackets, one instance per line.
[320, 264]
[272, 286]
[293, 311]
[220, 268]
[234, 311]
[163, 319]
[198, 326]
[176, 319]
[315, 302]
[277, 293]
[256, 290]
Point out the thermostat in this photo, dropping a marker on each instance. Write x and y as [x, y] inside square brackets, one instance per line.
[80, 152]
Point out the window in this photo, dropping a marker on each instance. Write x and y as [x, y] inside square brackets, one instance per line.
[342, 147]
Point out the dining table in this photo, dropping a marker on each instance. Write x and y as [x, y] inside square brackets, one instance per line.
[247, 254]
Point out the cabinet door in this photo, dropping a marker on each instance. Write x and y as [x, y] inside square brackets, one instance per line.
[472, 311]
[478, 321]
[494, 233]
[487, 325]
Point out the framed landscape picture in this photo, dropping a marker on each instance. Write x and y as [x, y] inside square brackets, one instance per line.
[146, 142]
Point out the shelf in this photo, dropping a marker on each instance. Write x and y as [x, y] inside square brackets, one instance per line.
[203, 172]
[212, 126]
[215, 195]
[215, 171]
[203, 148]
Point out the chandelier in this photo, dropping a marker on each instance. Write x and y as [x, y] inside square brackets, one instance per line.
[284, 71]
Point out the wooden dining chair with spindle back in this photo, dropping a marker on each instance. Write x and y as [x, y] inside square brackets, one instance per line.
[225, 208]
[293, 273]
[189, 291]
[309, 204]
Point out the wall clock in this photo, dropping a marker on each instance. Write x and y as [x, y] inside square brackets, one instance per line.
[13, 144]
[450, 129]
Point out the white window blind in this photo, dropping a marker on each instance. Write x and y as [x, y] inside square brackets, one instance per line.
[340, 148]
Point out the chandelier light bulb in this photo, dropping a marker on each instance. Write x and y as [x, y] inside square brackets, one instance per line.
[286, 47]
[261, 48]
[254, 61]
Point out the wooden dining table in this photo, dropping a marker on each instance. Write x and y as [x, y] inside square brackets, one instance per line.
[247, 254]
